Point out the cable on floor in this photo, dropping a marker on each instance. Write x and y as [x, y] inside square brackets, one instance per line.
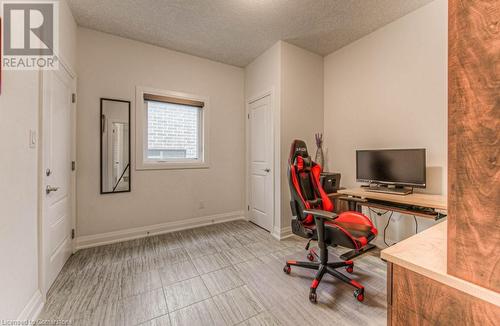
[387, 225]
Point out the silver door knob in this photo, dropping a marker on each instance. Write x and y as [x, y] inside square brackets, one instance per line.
[267, 170]
[49, 189]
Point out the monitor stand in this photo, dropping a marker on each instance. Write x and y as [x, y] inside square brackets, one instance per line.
[389, 189]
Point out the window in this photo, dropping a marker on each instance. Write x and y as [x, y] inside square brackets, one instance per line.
[173, 130]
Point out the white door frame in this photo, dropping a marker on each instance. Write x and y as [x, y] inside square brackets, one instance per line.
[275, 160]
[41, 191]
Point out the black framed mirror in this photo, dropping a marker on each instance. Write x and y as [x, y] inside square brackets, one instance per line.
[114, 129]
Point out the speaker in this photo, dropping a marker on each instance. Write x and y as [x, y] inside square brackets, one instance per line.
[330, 182]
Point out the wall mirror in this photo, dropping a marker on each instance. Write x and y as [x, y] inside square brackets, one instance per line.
[115, 146]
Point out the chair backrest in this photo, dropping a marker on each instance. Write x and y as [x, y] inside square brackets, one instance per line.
[305, 188]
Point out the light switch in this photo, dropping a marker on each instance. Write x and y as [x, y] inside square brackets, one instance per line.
[32, 138]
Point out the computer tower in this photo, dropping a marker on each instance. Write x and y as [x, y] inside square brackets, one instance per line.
[330, 182]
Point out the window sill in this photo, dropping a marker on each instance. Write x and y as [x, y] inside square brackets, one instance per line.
[172, 166]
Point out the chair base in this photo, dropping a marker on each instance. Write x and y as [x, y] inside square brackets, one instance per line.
[330, 268]
[353, 253]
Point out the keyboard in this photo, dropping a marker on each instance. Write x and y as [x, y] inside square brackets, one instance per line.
[407, 209]
[393, 191]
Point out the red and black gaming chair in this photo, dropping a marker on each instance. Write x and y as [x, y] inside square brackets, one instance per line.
[313, 218]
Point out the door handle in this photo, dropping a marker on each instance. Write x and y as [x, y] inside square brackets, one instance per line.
[49, 189]
[267, 170]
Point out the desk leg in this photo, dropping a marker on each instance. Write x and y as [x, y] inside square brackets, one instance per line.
[352, 205]
[359, 208]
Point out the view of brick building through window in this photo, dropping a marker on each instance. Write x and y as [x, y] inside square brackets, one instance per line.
[173, 131]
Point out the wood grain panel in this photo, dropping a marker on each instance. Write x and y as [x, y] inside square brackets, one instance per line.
[419, 300]
[473, 141]
[407, 317]
[390, 322]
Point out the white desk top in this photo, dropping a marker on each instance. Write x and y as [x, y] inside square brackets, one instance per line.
[425, 253]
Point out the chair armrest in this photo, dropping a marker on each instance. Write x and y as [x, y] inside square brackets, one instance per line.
[321, 214]
[320, 218]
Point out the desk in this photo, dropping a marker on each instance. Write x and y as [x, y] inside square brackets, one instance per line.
[418, 204]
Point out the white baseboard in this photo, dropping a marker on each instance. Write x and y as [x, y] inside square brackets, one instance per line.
[144, 231]
[282, 233]
[32, 308]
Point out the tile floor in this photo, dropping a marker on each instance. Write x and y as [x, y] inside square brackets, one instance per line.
[223, 274]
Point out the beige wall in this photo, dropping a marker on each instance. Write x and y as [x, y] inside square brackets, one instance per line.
[18, 203]
[302, 109]
[19, 112]
[110, 66]
[264, 73]
[389, 90]
[67, 35]
[261, 76]
[296, 76]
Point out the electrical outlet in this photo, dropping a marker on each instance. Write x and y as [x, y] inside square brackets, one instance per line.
[201, 205]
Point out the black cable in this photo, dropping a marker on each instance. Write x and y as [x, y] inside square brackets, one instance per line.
[388, 221]
[378, 213]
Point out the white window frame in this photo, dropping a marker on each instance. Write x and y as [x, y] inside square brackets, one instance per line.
[141, 133]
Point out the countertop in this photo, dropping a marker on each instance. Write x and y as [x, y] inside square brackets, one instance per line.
[425, 253]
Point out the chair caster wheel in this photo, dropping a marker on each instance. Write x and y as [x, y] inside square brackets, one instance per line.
[313, 297]
[359, 295]
[349, 269]
[287, 269]
[310, 257]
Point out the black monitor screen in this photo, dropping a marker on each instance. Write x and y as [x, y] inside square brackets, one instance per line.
[391, 166]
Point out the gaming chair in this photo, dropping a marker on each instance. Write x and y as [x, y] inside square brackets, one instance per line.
[313, 218]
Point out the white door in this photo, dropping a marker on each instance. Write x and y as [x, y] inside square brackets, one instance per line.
[57, 175]
[261, 192]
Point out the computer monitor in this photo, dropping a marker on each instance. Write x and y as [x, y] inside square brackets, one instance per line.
[399, 167]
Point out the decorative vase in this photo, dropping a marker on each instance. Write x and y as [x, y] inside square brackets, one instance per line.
[319, 158]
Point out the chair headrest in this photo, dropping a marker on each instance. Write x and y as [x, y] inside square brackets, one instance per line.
[303, 163]
[298, 149]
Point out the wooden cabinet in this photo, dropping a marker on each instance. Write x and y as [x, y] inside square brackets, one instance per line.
[414, 299]
[473, 138]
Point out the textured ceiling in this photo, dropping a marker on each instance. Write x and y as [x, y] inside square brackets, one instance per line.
[237, 31]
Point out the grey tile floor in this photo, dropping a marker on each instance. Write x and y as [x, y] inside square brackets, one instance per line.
[223, 274]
